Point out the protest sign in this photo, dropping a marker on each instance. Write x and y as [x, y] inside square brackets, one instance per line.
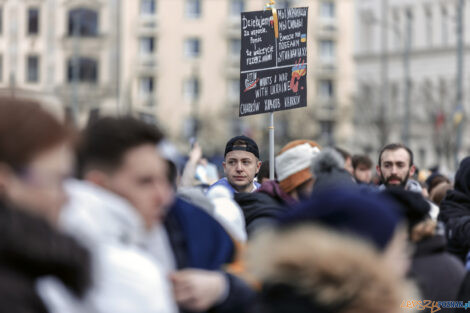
[273, 71]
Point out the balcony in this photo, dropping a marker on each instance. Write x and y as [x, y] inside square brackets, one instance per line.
[326, 109]
[147, 63]
[326, 69]
[88, 43]
[327, 28]
[149, 23]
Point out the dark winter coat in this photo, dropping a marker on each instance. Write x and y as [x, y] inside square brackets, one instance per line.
[30, 249]
[455, 212]
[262, 207]
[437, 273]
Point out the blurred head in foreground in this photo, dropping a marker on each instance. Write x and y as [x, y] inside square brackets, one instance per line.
[35, 158]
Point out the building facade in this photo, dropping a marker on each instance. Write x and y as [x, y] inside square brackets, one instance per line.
[172, 62]
[406, 78]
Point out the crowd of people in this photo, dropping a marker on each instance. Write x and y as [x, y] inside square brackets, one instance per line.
[104, 220]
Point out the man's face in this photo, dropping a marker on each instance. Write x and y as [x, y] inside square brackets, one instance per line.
[395, 168]
[240, 167]
[142, 180]
[363, 174]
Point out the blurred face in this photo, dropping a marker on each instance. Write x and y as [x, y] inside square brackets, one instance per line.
[38, 188]
[395, 168]
[363, 174]
[240, 167]
[348, 166]
[142, 180]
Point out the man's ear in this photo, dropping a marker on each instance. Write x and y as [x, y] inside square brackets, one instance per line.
[412, 170]
[258, 166]
[377, 169]
[97, 177]
[225, 166]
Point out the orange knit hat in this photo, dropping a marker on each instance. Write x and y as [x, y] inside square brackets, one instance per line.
[293, 167]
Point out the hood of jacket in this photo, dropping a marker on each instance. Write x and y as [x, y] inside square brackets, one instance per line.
[258, 204]
[273, 189]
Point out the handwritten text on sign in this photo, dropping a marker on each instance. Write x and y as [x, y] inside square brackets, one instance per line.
[273, 70]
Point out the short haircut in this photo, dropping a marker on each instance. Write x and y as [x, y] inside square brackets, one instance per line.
[361, 159]
[26, 130]
[107, 140]
[264, 171]
[345, 154]
[393, 147]
[437, 180]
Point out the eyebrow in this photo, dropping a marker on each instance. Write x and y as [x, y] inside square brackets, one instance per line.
[242, 159]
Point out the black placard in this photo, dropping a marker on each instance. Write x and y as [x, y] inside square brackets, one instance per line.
[273, 71]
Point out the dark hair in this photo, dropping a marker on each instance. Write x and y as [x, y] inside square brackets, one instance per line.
[393, 147]
[361, 159]
[436, 180]
[106, 140]
[345, 154]
[264, 171]
[26, 130]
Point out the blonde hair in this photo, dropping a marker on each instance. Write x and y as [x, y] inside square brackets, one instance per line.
[328, 268]
[422, 230]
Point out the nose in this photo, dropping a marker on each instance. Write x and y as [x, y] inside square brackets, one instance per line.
[239, 166]
[394, 169]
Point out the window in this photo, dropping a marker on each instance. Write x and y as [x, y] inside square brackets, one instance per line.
[193, 8]
[192, 47]
[367, 21]
[147, 45]
[33, 21]
[32, 74]
[283, 4]
[233, 90]
[1, 20]
[83, 70]
[148, 7]
[93, 115]
[327, 10]
[191, 89]
[394, 94]
[445, 25]
[146, 86]
[237, 7]
[326, 129]
[326, 89]
[397, 29]
[83, 23]
[148, 118]
[235, 47]
[327, 51]
[429, 24]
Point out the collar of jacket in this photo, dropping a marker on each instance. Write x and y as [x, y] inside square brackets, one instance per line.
[101, 215]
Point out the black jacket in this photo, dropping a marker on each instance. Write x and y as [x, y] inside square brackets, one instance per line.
[437, 273]
[455, 212]
[29, 249]
[259, 209]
